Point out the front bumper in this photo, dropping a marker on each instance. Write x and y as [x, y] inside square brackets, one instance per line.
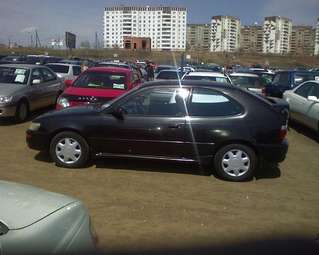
[37, 140]
[7, 111]
[273, 152]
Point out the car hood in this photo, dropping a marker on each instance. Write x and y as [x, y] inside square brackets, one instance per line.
[23, 205]
[8, 89]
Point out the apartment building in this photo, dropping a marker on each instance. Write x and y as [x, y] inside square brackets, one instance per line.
[317, 38]
[165, 26]
[225, 33]
[251, 39]
[198, 37]
[302, 40]
[277, 35]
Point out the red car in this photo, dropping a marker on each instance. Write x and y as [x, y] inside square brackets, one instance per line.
[97, 85]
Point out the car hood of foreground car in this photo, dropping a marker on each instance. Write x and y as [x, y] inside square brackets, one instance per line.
[23, 205]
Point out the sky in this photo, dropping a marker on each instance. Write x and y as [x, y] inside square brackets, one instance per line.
[52, 18]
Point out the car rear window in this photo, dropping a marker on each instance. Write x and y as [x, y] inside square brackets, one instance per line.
[168, 75]
[59, 68]
[102, 80]
[246, 82]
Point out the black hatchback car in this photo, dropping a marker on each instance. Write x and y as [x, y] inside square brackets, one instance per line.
[196, 121]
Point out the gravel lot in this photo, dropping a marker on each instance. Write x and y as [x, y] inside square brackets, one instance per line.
[144, 205]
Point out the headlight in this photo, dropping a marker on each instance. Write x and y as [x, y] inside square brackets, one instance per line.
[5, 99]
[63, 102]
[34, 126]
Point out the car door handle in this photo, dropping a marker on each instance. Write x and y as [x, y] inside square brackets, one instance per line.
[174, 126]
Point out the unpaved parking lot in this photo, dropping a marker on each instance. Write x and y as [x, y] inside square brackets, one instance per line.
[148, 205]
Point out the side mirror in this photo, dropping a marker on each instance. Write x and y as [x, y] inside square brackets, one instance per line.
[36, 81]
[313, 99]
[68, 83]
[118, 113]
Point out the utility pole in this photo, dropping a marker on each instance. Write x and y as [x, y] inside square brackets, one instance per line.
[96, 41]
[37, 40]
[31, 40]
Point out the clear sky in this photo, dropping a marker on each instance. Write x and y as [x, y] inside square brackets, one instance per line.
[84, 17]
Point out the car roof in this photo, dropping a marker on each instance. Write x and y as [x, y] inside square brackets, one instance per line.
[244, 75]
[25, 66]
[111, 69]
[61, 64]
[206, 74]
[189, 83]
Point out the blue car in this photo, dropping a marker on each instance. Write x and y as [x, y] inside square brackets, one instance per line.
[287, 80]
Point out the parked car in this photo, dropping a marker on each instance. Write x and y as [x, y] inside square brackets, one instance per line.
[287, 80]
[25, 88]
[112, 64]
[35, 221]
[207, 76]
[14, 59]
[41, 59]
[169, 75]
[304, 104]
[249, 81]
[163, 67]
[97, 85]
[65, 71]
[196, 121]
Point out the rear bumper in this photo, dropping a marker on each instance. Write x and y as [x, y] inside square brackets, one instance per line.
[7, 111]
[37, 140]
[273, 153]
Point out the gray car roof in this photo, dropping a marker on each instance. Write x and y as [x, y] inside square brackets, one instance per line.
[26, 66]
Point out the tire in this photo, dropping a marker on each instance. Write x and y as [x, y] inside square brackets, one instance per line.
[22, 112]
[235, 162]
[75, 155]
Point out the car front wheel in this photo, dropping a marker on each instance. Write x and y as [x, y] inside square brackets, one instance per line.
[69, 150]
[235, 162]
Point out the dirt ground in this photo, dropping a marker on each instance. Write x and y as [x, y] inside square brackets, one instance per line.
[143, 205]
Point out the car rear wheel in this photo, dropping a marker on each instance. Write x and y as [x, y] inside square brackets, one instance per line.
[22, 112]
[235, 162]
[69, 150]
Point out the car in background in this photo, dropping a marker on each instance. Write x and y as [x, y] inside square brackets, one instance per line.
[35, 221]
[97, 85]
[287, 80]
[41, 59]
[14, 59]
[304, 104]
[169, 75]
[249, 81]
[163, 67]
[207, 76]
[65, 71]
[25, 88]
[112, 64]
[209, 123]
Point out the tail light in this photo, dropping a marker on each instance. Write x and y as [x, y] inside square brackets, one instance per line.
[283, 132]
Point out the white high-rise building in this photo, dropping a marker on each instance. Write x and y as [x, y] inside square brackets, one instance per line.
[166, 26]
[225, 34]
[317, 39]
[277, 35]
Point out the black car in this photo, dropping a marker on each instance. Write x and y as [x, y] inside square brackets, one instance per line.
[204, 122]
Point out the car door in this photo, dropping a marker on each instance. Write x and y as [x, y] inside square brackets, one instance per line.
[299, 103]
[36, 90]
[153, 125]
[51, 87]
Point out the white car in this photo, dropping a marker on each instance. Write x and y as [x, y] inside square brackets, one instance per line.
[249, 81]
[35, 221]
[207, 76]
[65, 71]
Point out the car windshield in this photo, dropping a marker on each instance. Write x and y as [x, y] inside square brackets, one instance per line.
[168, 75]
[102, 80]
[59, 68]
[206, 78]
[246, 82]
[14, 75]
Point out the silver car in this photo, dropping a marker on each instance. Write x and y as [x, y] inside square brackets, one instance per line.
[34, 221]
[24, 88]
[65, 71]
[304, 104]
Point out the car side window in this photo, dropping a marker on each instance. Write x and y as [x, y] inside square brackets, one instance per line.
[210, 103]
[304, 90]
[36, 76]
[157, 102]
[315, 90]
[76, 70]
[47, 75]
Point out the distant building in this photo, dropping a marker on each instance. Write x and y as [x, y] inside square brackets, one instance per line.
[251, 39]
[317, 38]
[277, 35]
[302, 40]
[137, 43]
[166, 26]
[225, 33]
[198, 37]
